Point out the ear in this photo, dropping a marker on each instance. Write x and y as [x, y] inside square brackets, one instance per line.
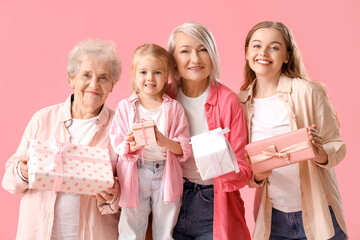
[71, 81]
[286, 60]
[246, 53]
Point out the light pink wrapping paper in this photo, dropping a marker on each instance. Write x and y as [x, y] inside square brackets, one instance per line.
[85, 170]
[281, 150]
[144, 132]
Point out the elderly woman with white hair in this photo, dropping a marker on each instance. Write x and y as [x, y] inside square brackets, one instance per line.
[211, 209]
[94, 67]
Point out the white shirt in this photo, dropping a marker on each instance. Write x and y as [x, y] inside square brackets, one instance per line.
[271, 119]
[195, 113]
[153, 152]
[67, 205]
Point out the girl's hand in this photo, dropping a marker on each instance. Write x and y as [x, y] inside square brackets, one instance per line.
[130, 139]
[259, 176]
[24, 168]
[318, 142]
[161, 140]
[171, 145]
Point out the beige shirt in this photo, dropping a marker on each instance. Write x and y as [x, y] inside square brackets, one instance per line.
[306, 104]
[36, 216]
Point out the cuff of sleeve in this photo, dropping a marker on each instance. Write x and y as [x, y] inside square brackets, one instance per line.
[20, 174]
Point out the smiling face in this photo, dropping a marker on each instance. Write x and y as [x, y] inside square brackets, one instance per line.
[92, 85]
[150, 77]
[266, 53]
[192, 59]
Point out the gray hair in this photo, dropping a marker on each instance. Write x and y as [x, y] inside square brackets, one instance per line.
[201, 34]
[103, 50]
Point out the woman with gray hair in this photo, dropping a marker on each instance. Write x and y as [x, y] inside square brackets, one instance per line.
[211, 209]
[93, 68]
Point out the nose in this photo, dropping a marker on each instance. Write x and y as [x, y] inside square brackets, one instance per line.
[149, 76]
[195, 56]
[94, 82]
[264, 51]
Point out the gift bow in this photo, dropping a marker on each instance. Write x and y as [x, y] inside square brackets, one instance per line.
[283, 154]
[55, 163]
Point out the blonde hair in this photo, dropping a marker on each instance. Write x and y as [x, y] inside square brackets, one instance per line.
[201, 34]
[101, 50]
[294, 68]
[154, 51]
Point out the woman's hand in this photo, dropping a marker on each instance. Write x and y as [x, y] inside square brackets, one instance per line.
[24, 168]
[130, 139]
[109, 194]
[259, 176]
[318, 142]
[171, 145]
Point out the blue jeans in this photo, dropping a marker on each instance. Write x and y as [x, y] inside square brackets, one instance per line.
[196, 213]
[290, 226]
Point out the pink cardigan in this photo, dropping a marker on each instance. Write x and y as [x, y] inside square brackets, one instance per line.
[223, 109]
[36, 216]
[177, 129]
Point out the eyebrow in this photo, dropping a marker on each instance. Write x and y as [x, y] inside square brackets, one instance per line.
[271, 42]
[201, 45]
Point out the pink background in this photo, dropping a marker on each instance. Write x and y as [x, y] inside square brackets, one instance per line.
[36, 37]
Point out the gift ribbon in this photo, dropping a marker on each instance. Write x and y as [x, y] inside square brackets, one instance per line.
[56, 163]
[144, 133]
[283, 154]
[213, 156]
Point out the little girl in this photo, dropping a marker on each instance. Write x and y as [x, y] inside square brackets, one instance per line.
[150, 177]
[299, 201]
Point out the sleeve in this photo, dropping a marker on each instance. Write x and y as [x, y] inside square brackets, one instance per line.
[12, 181]
[119, 127]
[234, 119]
[181, 132]
[326, 122]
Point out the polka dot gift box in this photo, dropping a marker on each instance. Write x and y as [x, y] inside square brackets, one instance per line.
[54, 166]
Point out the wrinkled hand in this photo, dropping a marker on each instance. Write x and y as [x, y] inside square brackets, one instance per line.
[259, 176]
[24, 168]
[318, 142]
[109, 194]
[130, 139]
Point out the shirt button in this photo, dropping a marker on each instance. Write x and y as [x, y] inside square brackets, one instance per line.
[157, 165]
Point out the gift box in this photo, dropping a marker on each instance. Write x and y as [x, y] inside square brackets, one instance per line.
[213, 154]
[281, 150]
[54, 166]
[144, 132]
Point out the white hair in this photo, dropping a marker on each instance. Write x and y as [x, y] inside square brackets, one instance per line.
[201, 34]
[104, 51]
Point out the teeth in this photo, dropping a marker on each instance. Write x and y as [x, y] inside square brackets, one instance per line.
[263, 61]
[195, 68]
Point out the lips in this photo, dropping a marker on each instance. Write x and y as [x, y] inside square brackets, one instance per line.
[261, 61]
[196, 68]
[94, 93]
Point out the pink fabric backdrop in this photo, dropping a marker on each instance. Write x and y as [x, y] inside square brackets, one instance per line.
[36, 37]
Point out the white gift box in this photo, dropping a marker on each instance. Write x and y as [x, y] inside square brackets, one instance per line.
[213, 154]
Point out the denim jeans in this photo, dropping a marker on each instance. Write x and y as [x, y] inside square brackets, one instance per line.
[134, 221]
[290, 226]
[196, 213]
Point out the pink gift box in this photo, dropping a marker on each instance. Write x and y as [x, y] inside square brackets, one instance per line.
[144, 132]
[281, 150]
[68, 168]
